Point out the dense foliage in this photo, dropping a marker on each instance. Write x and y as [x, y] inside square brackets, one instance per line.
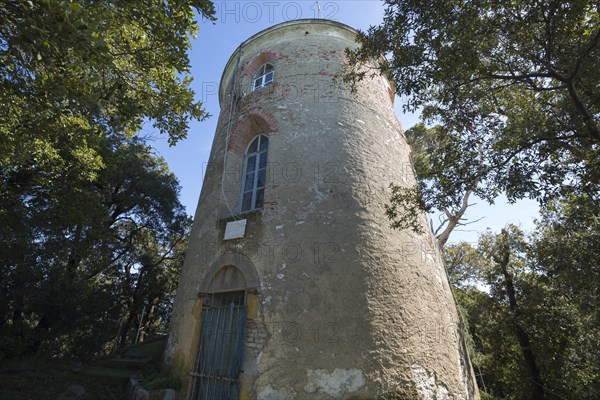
[531, 313]
[92, 229]
[514, 88]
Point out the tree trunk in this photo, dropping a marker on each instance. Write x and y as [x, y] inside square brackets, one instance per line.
[40, 334]
[532, 370]
[453, 220]
[148, 319]
[126, 328]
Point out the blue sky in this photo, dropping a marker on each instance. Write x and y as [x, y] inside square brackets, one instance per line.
[238, 20]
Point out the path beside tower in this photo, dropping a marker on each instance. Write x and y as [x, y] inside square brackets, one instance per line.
[294, 286]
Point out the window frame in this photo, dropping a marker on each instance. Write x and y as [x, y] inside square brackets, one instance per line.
[256, 173]
[261, 74]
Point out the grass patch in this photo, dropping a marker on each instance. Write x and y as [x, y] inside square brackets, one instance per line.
[152, 378]
[35, 378]
[162, 382]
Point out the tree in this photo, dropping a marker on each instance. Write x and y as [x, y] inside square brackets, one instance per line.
[434, 155]
[72, 72]
[533, 332]
[499, 263]
[93, 253]
[78, 79]
[566, 247]
[514, 85]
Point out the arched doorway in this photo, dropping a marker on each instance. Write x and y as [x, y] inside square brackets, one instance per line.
[220, 353]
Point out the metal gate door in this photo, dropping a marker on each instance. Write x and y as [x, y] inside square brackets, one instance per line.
[221, 348]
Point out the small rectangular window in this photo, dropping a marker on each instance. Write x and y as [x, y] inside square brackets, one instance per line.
[264, 76]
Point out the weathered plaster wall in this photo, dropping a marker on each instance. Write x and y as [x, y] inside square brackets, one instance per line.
[346, 308]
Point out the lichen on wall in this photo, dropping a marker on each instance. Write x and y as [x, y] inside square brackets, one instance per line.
[428, 386]
[269, 393]
[336, 384]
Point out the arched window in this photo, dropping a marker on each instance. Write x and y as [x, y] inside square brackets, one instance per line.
[254, 174]
[264, 76]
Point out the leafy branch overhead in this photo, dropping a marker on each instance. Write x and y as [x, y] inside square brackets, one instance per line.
[74, 71]
[92, 227]
[444, 183]
[515, 86]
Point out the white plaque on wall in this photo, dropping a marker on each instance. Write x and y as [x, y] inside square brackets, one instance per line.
[235, 229]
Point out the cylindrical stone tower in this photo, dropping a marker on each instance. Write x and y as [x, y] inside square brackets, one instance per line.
[294, 286]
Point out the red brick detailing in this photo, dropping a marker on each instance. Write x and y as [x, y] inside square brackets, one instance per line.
[248, 125]
[263, 57]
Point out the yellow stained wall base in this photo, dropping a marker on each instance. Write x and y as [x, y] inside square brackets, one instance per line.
[182, 360]
[251, 314]
[251, 306]
[244, 394]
